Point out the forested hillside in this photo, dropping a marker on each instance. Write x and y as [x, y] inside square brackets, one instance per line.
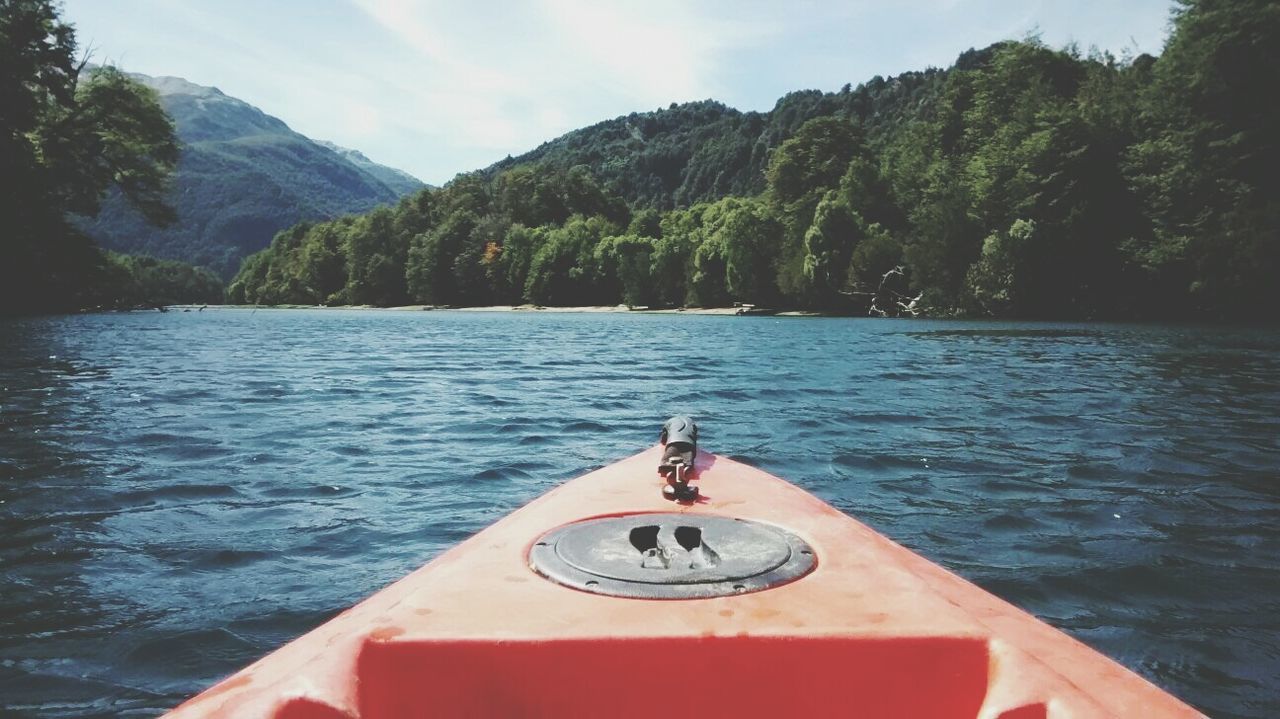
[703, 151]
[1024, 181]
[242, 175]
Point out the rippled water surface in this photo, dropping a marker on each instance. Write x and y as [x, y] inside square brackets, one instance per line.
[182, 492]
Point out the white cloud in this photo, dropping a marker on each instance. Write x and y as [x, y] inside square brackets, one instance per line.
[651, 52]
[512, 77]
[442, 86]
[360, 119]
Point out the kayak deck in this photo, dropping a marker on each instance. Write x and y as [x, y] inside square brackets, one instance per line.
[873, 630]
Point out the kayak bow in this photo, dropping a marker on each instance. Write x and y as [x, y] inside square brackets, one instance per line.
[751, 597]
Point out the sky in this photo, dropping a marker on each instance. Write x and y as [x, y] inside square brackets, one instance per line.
[437, 87]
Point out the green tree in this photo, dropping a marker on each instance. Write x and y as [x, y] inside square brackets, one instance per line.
[518, 248]
[376, 259]
[67, 134]
[472, 281]
[563, 269]
[624, 266]
[148, 282]
[1023, 181]
[874, 256]
[814, 159]
[524, 194]
[998, 280]
[646, 222]
[734, 241]
[430, 271]
[801, 171]
[827, 246]
[707, 283]
[749, 234]
[671, 265]
[323, 266]
[1208, 166]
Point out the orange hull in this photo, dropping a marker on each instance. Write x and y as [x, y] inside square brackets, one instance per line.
[873, 630]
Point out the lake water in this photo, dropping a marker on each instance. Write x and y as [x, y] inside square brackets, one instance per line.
[182, 492]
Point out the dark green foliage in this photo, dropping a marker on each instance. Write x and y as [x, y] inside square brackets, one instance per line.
[564, 269]
[624, 268]
[998, 280]
[875, 255]
[508, 264]
[436, 256]
[828, 244]
[528, 235]
[817, 156]
[735, 259]
[1207, 166]
[66, 136]
[1022, 182]
[702, 151]
[376, 271]
[148, 282]
[824, 154]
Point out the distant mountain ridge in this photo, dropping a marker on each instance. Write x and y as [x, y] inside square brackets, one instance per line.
[398, 180]
[243, 176]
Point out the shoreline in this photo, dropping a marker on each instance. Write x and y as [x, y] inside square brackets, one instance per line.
[584, 309]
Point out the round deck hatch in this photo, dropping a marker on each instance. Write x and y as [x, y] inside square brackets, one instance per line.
[670, 556]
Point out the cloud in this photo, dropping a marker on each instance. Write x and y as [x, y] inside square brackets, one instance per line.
[437, 87]
[651, 52]
[523, 72]
[360, 119]
[475, 82]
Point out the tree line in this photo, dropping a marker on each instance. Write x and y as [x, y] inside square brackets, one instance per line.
[1024, 181]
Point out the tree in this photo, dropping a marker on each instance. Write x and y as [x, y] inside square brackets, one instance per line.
[707, 284]
[563, 269]
[323, 267]
[827, 247]
[1023, 181]
[524, 194]
[734, 243]
[749, 234]
[473, 282]
[814, 159]
[430, 270]
[671, 264]
[623, 263]
[376, 259]
[1208, 166]
[801, 171]
[646, 223]
[998, 280]
[518, 248]
[875, 255]
[67, 134]
[148, 282]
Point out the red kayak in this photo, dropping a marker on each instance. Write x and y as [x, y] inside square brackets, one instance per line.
[706, 589]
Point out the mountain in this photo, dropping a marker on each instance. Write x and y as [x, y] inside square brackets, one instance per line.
[398, 180]
[243, 176]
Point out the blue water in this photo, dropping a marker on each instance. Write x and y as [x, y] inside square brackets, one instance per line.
[182, 492]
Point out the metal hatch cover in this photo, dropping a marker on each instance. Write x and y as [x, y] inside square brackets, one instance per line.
[670, 556]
